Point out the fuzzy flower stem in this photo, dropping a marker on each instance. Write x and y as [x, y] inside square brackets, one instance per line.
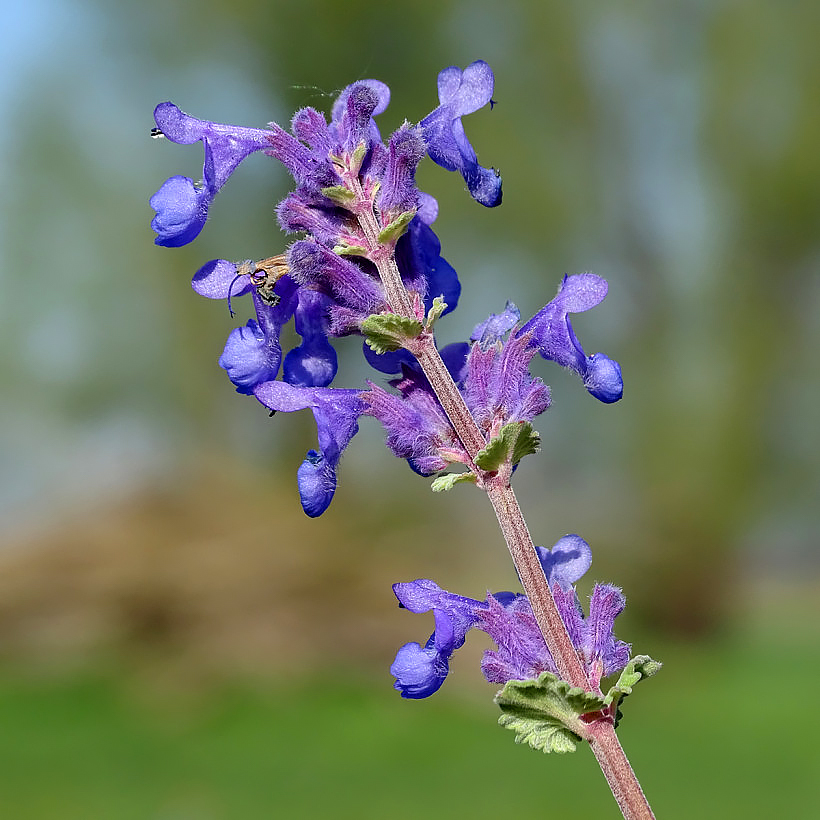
[605, 744]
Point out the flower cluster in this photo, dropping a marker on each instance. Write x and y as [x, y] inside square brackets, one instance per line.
[356, 205]
[366, 261]
[521, 652]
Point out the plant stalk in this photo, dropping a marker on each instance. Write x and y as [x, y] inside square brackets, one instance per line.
[604, 742]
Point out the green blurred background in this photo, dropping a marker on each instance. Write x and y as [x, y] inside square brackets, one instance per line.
[178, 641]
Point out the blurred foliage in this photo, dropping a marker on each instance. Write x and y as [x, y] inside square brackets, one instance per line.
[150, 513]
[126, 744]
[669, 146]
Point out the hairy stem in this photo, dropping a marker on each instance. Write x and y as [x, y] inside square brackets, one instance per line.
[605, 744]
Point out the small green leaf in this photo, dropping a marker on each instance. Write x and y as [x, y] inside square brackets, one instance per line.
[514, 441]
[448, 481]
[384, 332]
[527, 442]
[434, 314]
[640, 667]
[546, 713]
[396, 228]
[339, 194]
[492, 456]
[350, 250]
[357, 157]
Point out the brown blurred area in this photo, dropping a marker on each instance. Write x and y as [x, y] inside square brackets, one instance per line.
[217, 573]
[669, 148]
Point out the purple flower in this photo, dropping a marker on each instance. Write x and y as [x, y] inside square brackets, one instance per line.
[507, 618]
[252, 354]
[181, 204]
[498, 387]
[219, 279]
[313, 363]
[552, 335]
[420, 671]
[496, 327]
[567, 562]
[424, 269]
[462, 92]
[417, 427]
[337, 415]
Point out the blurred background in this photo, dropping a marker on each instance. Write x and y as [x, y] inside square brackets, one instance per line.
[177, 640]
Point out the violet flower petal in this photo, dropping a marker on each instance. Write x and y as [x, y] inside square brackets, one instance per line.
[460, 93]
[218, 279]
[337, 414]
[567, 562]
[497, 326]
[252, 354]
[313, 363]
[554, 338]
[420, 672]
[182, 206]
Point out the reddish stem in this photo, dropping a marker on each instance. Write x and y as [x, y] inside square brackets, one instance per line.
[602, 738]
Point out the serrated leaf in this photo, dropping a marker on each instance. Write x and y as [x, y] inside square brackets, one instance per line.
[448, 481]
[339, 194]
[514, 441]
[492, 456]
[434, 314]
[544, 736]
[640, 667]
[391, 233]
[527, 442]
[385, 332]
[546, 712]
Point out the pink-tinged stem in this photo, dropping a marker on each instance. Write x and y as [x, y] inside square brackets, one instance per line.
[604, 742]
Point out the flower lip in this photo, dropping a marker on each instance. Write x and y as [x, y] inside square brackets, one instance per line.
[181, 205]
[336, 412]
[554, 338]
[462, 92]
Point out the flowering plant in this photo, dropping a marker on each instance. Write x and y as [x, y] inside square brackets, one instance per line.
[368, 263]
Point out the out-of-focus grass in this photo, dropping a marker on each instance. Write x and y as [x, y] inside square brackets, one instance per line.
[706, 737]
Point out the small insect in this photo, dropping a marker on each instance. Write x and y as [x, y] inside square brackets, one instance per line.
[264, 275]
[156, 134]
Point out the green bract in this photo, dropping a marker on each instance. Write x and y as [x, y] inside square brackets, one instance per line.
[385, 332]
[514, 441]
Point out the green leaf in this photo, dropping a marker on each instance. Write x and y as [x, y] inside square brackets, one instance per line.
[357, 157]
[339, 194]
[350, 250]
[640, 667]
[448, 481]
[434, 314]
[514, 441]
[492, 456]
[396, 228]
[384, 332]
[546, 713]
[527, 442]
